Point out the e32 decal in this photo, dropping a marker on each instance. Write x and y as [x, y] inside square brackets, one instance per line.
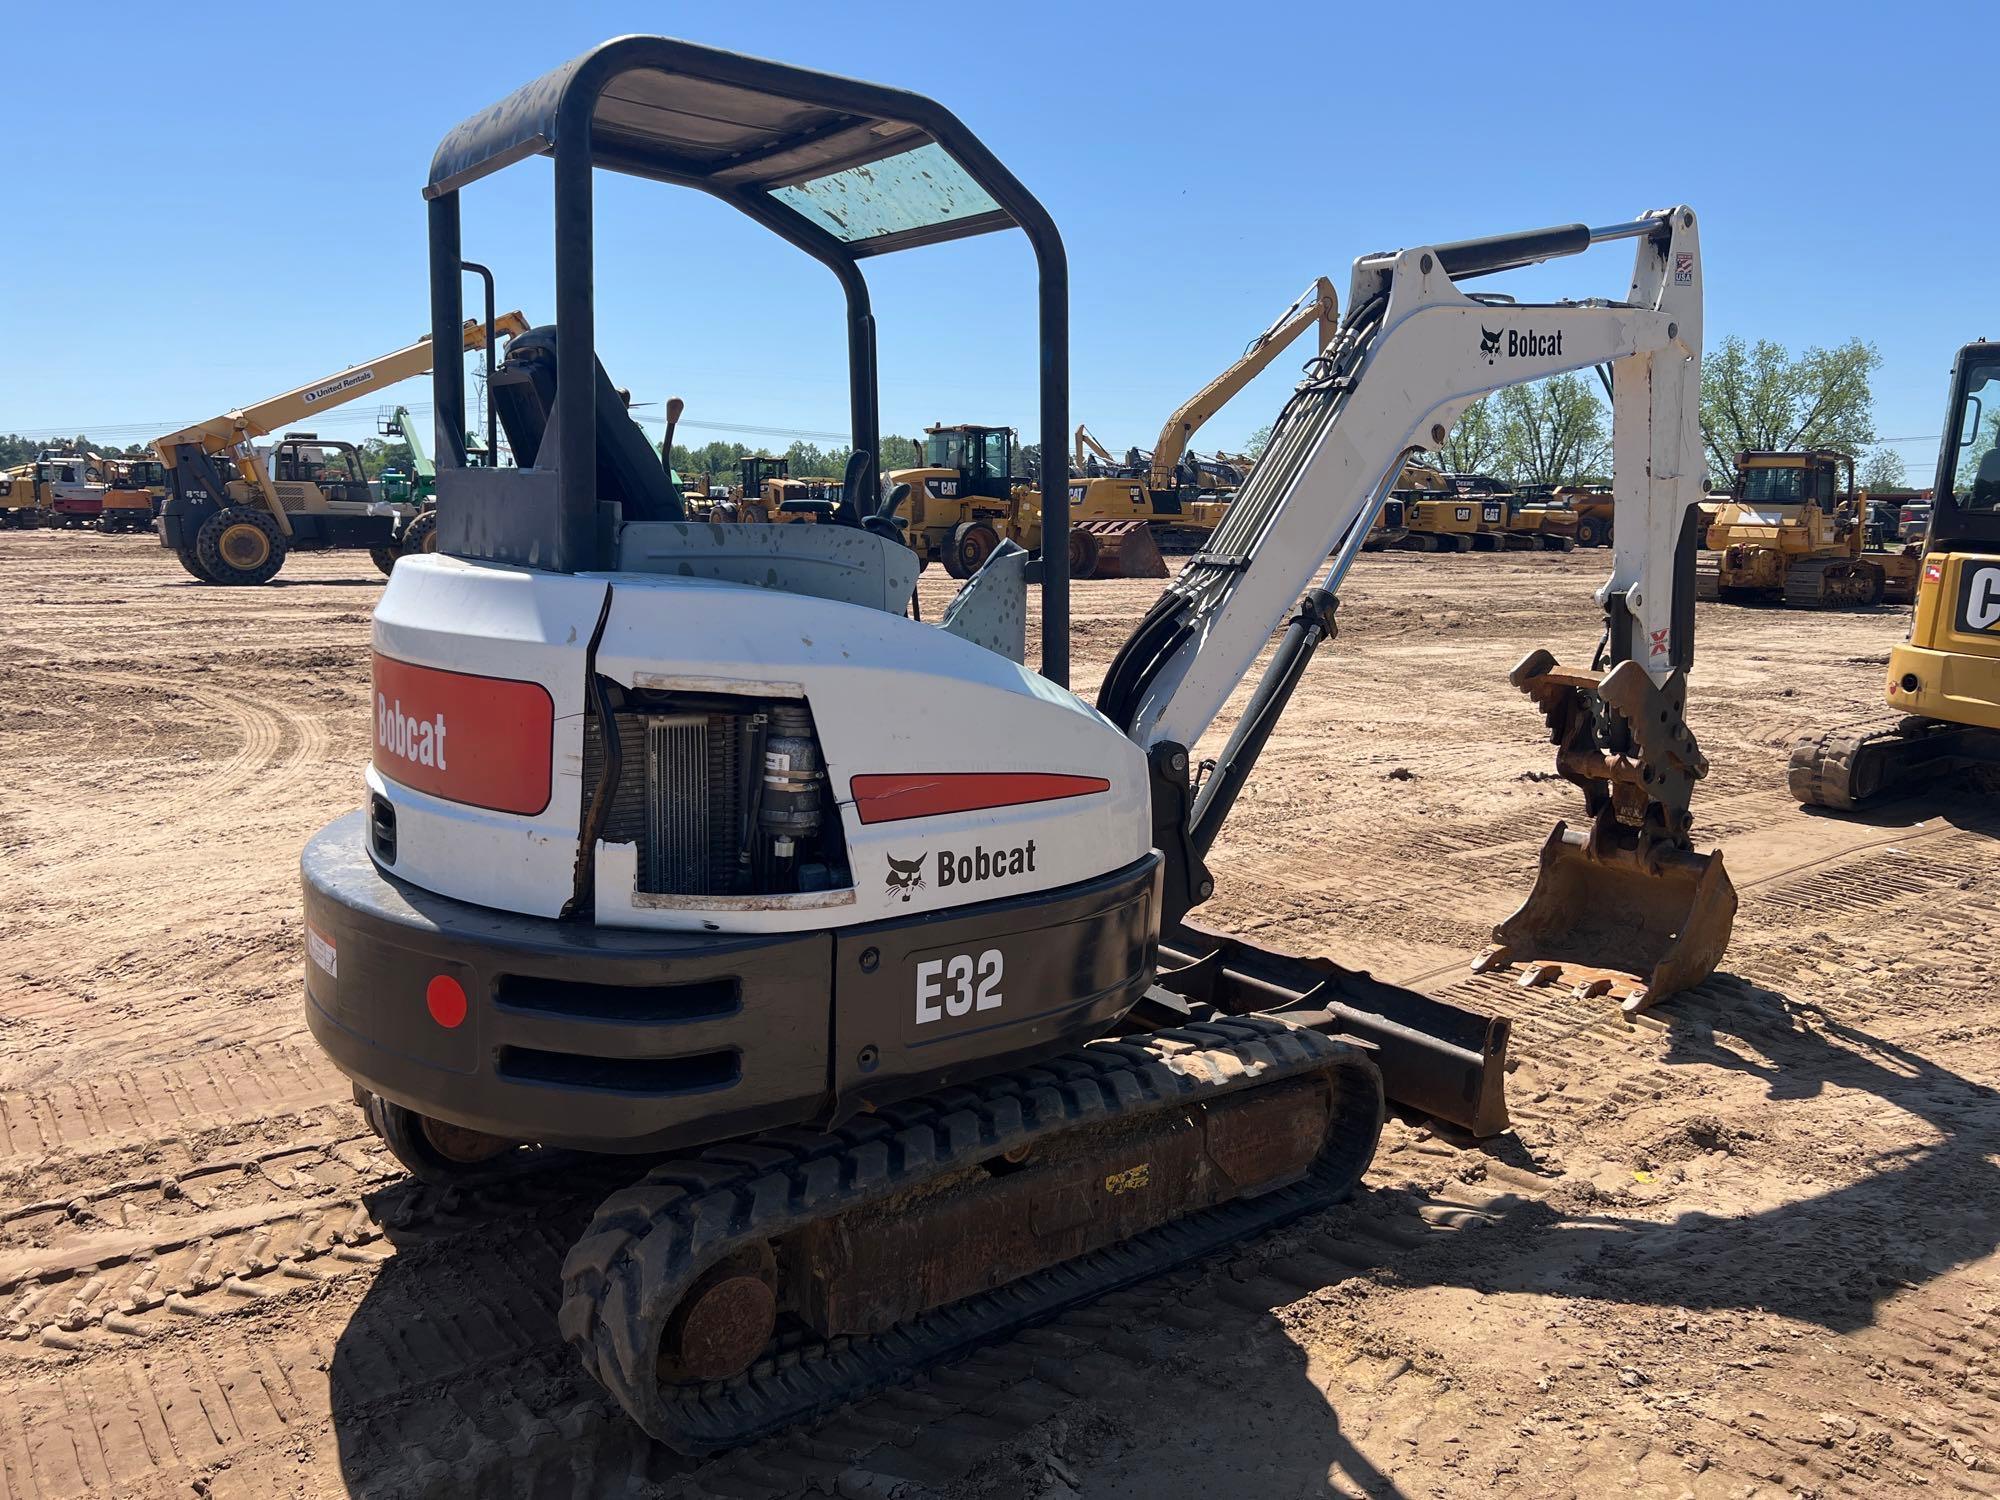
[959, 985]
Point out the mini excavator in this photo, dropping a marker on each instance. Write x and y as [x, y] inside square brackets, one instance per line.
[688, 840]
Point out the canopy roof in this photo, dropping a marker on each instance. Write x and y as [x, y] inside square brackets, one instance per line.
[877, 169]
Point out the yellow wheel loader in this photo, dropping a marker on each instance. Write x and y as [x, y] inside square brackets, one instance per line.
[1945, 678]
[1791, 532]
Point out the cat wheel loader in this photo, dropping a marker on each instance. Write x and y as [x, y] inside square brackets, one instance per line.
[689, 839]
[1945, 679]
[1790, 534]
[235, 511]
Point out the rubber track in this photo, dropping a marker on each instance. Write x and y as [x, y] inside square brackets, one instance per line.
[648, 1244]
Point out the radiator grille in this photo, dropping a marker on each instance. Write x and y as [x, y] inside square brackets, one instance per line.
[678, 798]
[678, 815]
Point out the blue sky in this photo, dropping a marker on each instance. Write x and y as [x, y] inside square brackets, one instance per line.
[231, 207]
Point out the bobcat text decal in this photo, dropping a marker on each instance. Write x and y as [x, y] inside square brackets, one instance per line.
[483, 741]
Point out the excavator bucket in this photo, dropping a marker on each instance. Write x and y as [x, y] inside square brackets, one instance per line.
[1115, 549]
[1609, 921]
[1625, 907]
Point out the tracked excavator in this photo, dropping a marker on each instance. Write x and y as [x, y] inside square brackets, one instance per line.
[687, 839]
[1945, 679]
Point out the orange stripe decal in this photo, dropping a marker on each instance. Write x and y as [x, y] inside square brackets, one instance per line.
[890, 799]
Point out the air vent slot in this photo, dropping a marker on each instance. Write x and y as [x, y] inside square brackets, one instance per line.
[654, 1076]
[623, 1004]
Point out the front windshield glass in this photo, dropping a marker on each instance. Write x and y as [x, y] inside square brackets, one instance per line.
[1975, 436]
[1774, 486]
[945, 450]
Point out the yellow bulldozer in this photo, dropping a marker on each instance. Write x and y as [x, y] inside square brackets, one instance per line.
[1793, 531]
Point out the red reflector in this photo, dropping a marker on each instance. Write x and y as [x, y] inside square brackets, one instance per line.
[484, 741]
[444, 998]
[889, 799]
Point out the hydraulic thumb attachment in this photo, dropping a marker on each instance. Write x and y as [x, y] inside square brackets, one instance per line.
[1624, 907]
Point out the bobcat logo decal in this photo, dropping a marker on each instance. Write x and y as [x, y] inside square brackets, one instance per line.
[906, 876]
[1489, 343]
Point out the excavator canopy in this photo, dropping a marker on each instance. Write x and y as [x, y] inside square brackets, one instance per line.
[864, 164]
[842, 169]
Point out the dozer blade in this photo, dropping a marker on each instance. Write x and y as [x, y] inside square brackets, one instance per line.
[1607, 920]
[1624, 907]
[1125, 549]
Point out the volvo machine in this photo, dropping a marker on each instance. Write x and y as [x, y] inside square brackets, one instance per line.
[1945, 678]
[1793, 532]
[235, 510]
[689, 839]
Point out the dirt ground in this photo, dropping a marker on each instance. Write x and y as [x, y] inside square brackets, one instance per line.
[1744, 1247]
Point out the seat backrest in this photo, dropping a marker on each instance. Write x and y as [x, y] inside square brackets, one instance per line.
[629, 470]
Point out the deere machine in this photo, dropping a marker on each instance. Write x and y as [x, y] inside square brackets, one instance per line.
[1791, 532]
[690, 840]
[235, 511]
[1945, 678]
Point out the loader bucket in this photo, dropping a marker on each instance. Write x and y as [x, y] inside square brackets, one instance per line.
[1123, 549]
[1605, 919]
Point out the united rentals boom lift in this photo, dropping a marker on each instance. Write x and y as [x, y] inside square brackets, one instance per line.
[1946, 678]
[234, 512]
[686, 838]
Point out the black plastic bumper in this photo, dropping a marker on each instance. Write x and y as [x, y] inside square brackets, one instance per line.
[615, 1039]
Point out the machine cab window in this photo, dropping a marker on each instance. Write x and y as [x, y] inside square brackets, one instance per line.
[1976, 439]
[333, 466]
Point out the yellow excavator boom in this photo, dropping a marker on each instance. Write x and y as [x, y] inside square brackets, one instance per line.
[1316, 305]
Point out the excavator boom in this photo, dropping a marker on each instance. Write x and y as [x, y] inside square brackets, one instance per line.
[1413, 353]
[1317, 305]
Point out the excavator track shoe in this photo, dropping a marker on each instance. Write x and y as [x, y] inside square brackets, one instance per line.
[1625, 906]
[754, 1285]
[1125, 549]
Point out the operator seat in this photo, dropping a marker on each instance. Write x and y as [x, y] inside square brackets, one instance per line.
[629, 470]
[1986, 482]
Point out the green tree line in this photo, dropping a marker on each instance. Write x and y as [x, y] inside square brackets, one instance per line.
[15, 449]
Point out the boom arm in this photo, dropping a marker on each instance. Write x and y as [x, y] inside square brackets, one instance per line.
[219, 434]
[1087, 443]
[1414, 352]
[1316, 305]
